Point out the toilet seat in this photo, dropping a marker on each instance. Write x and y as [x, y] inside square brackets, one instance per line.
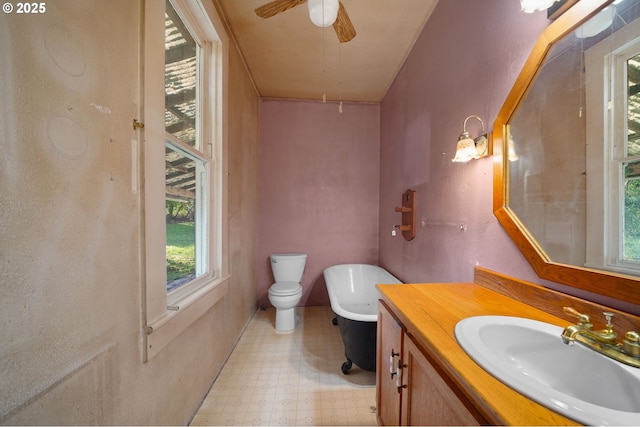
[285, 288]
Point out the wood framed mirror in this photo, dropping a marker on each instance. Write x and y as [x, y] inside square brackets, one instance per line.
[519, 202]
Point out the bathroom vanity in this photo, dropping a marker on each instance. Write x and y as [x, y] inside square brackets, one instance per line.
[413, 390]
[425, 378]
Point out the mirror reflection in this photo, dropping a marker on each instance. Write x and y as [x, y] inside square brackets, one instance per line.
[574, 146]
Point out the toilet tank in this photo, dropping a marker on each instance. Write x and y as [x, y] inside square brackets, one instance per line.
[288, 267]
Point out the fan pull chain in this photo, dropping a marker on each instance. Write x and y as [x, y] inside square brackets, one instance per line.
[581, 76]
[324, 75]
[340, 77]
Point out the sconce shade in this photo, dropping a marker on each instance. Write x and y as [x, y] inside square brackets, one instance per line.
[467, 148]
[323, 12]
[530, 6]
[511, 151]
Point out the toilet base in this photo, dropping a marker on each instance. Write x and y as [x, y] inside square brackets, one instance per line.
[286, 319]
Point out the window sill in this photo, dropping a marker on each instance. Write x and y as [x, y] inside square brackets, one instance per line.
[614, 268]
[184, 311]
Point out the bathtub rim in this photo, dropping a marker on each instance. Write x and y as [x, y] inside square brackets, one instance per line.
[334, 300]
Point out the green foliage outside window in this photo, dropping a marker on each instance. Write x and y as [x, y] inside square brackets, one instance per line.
[181, 239]
[632, 220]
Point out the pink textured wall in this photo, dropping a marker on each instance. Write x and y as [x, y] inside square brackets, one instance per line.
[318, 190]
[464, 62]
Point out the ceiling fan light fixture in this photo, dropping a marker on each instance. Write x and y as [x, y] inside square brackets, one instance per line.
[323, 12]
[530, 6]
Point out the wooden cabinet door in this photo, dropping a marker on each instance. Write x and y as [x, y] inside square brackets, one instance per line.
[389, 348]
[427, 399]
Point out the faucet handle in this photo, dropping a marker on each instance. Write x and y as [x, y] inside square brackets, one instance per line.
[608, 315]
[631, 344]
[583, 319]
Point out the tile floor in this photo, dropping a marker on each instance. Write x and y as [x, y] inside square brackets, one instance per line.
[290, 379]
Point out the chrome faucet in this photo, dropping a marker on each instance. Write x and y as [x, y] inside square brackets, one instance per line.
[604, 341]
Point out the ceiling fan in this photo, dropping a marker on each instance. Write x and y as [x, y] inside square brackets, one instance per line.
[342, 25]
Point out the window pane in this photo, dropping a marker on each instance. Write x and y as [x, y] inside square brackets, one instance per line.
[631, 245]
[180, 79]
[181, 183]
[633, 106]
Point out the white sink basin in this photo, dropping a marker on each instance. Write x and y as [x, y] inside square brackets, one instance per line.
[572, 380]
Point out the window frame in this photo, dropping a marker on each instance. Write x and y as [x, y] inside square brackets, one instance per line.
[166, 315]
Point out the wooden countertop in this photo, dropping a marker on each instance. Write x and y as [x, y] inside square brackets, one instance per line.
[430, 312]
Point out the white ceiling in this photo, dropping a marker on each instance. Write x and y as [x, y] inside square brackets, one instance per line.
[289, 57]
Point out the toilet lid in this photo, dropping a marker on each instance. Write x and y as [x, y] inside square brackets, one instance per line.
[285, 288]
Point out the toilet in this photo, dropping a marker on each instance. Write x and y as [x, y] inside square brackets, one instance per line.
[286, 292]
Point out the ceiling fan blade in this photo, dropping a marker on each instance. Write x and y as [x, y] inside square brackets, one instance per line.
[275, 7]
[343, 26]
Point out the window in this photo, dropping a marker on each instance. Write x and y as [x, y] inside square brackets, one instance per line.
[625, 163]
[184, 211]
[612, 69]
[186, 162]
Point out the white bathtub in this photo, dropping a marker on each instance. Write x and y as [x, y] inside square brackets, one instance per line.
[354, 300]
[352, 290]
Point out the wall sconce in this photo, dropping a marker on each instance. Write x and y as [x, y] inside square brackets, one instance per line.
[469, 149]
[530, 6]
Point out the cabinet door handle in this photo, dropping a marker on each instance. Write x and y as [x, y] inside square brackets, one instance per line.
[392, 371]
[399, 384]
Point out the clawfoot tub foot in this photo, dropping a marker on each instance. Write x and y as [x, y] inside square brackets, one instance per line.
[346, 366]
